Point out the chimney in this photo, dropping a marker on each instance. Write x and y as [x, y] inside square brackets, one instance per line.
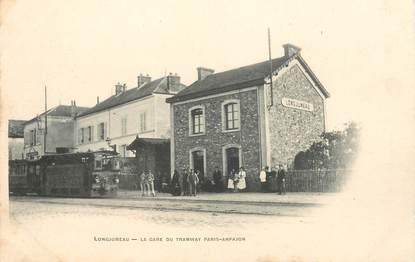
[290, 50]
[97, 100]
[203, 72]
[173, 83]
[73, 109]
[141, 80]
[119, 88]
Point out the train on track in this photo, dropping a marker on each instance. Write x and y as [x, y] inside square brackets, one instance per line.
[89, 174]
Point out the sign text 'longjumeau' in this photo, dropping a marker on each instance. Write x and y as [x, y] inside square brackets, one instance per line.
[297, 104]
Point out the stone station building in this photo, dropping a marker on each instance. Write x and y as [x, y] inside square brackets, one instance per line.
[235, 118]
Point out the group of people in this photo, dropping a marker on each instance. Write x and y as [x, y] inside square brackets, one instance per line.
[147, 183]
[188, 182]
[237, 180]
[185, 183]
[273, 180]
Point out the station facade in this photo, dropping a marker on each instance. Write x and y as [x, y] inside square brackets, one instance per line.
[237, 118]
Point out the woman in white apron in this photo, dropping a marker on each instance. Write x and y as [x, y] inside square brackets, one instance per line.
[231, 178]
[241, 179]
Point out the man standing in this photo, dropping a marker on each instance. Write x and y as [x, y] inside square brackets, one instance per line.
[217, 179]
[185, 184]
[175, 189]
[193, 180]
[143, 184]
[150, 182]
[263, 179]
[268, 181]
[281, 180]
[181, 182]
[274, 182]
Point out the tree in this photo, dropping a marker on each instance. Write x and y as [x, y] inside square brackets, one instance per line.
[336, 149]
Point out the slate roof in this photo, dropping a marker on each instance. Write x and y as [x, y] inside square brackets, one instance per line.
[246, 76]
[158, 86]
[16, 128]
[61, 110]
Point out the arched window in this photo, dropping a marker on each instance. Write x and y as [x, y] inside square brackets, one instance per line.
[196, 121]
[231, 115]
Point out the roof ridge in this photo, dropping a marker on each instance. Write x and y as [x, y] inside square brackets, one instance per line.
[241, 67]
[127, 96]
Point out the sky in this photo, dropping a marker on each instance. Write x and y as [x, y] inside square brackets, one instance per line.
[81, 49]
[362, 51]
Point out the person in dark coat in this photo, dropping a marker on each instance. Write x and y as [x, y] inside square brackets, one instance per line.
[281, 180]
[217, 179]
[185, 184]
[268, 179]
[274, 183]
[175, 184]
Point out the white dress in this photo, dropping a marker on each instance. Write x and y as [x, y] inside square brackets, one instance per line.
[241, 181]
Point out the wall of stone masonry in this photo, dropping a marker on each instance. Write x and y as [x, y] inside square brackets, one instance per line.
[293, 130]
[214, 139]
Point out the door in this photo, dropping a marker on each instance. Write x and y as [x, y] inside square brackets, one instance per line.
[198, 162]
[232, 159]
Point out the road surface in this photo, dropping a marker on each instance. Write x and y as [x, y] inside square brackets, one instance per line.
[50, 228]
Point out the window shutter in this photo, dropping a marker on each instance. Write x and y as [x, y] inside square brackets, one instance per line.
[98, 135]
[105, 131]
[92, 134]
[79, 136]
[145, 121]
[26, 138]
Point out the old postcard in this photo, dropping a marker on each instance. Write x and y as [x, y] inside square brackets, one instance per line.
[207, 131]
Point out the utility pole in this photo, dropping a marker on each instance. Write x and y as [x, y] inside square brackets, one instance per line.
[270, 69]
[45, 131]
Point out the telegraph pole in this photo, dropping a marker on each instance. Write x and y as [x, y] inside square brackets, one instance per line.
[45, 131]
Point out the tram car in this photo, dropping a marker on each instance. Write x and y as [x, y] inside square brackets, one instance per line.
[18, 178]
[90, 174]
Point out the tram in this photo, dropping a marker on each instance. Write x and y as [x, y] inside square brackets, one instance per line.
[89, 174]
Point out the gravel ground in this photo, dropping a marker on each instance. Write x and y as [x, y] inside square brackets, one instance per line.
[66, 229]
[165, 228]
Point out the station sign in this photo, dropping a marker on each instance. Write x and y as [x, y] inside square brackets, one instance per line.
[297, 104]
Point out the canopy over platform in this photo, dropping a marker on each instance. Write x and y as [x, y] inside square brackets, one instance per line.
[139, 142]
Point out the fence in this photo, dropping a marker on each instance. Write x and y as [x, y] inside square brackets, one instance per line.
[130, 176]
[330, 180]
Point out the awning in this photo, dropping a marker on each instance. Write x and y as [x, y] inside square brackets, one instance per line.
[138, 142]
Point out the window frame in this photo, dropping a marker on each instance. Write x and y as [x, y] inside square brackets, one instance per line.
[143, 122]
[124, 126]
[201, 123]
[82, 140]
[89, 132]
[237, 107]
[101, 128]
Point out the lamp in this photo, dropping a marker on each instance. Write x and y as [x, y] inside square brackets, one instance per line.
[108, 140]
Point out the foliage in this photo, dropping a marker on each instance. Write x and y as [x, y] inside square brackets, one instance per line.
[336, 149]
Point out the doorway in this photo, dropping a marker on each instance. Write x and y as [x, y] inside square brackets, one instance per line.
[232, 159]
[198, 162]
